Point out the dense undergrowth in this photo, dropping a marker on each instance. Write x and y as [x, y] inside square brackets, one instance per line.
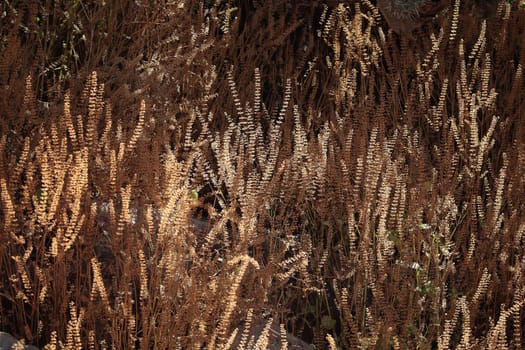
[175, 175]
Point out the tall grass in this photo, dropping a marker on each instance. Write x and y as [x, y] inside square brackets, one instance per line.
[210, 180]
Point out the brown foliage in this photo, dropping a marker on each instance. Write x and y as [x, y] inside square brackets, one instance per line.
[172, 201]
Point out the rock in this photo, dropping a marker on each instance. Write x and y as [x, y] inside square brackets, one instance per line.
[403, 17]
[8, 342]
[294, 343]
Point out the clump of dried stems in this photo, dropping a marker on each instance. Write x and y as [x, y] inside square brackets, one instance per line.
[378, 203]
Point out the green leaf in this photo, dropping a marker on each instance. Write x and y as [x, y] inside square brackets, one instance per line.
[392, 236]
[327, 322]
